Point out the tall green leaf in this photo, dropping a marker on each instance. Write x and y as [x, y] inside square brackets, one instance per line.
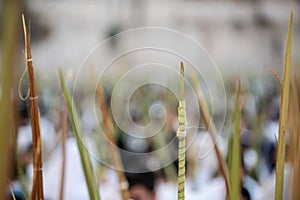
[284, 101]
[89, 174]
[235, 157]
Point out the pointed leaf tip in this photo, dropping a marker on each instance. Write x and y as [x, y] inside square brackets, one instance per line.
[181, 68]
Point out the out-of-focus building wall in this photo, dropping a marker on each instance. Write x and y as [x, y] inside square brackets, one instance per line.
[241, 36]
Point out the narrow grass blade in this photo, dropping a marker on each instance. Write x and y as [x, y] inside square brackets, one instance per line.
[64, 134]
[37, 185]
[159, 141]
[235, 165]
[284, 102]
[209, 125]
[90, 178]
[181, 133]
[110, 133]
[276, 76]
[12, 193]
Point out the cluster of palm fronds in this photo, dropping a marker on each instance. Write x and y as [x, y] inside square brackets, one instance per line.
[289, 120]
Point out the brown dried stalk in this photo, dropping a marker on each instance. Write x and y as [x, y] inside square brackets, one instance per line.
[110, 134]
[209, 125]
[37, 186]
[64, 134]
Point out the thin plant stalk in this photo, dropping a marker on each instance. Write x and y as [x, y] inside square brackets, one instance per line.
[210, 127]
[161, 140]
[284, 103]
[235, 165]
[90, 178]
[181, 133]
[170, 170]
[64, 134]
[12, 193]
[110, 134]
[294, 131]
[37, 186]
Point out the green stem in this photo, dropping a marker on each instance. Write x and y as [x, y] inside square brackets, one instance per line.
[90, 178]
[284, 101]
[235, 164]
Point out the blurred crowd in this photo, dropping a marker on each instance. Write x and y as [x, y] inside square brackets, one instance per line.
[156, 168]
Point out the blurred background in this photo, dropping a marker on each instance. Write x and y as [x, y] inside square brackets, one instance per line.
[243, 38]
[231, 31]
